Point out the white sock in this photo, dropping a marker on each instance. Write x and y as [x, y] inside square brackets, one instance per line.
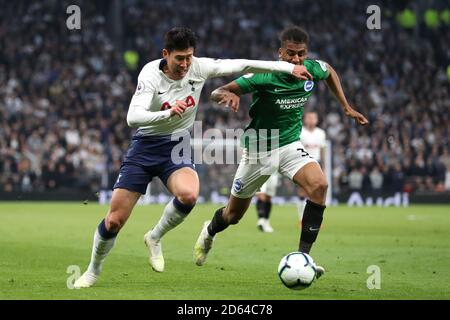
[100, 249]
[170, 218]
[300, 208]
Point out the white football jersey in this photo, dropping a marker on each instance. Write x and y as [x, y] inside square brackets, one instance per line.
[313, 141]
[156, 93]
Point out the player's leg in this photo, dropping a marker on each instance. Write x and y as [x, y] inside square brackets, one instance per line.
[264, 203]
[122, 204]
[300, 167]
[261, 199]
[131, 183]
[301, 204]
[223, 217]
[305, 171]
[263, 208]
[184, 184]
[248, 179]
[231, 214]
[313, 181]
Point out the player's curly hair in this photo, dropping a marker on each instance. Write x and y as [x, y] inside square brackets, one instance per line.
[179, 38]
[294, 34]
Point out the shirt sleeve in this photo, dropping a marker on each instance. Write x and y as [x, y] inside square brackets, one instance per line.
[139, 114]
[318, 69]
[250, 82]
[225, 67]
[323, 139]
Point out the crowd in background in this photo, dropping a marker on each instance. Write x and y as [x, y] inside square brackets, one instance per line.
[64, 94]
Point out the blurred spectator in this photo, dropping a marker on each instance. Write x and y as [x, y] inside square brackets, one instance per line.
[447, 179]
[355, 180]
[376, 180]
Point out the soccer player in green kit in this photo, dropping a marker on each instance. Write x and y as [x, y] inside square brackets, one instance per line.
[276, 112]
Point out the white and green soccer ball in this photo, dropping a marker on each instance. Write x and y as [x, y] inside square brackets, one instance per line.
[297, 270]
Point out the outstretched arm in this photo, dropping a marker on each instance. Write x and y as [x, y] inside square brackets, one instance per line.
[229, 95]
[334, 84]
[226, 67]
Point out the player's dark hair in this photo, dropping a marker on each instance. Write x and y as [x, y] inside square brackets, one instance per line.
[179, 38]
[294, 34]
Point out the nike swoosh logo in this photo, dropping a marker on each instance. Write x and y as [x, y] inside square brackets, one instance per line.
[314, 229]
[159, 92]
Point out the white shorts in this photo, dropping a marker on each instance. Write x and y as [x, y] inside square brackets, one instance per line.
[270, 186]
[255, 168]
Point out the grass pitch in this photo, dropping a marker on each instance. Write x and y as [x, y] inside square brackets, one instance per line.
[41, 244]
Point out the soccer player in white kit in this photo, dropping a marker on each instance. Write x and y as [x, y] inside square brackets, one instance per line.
[313, 139]
[163, 108]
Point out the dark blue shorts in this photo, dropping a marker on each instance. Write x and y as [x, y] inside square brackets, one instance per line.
[149, 157]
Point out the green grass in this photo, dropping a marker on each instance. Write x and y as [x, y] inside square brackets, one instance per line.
[39, 241]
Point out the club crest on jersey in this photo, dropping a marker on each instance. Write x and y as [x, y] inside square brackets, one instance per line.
[308, 85]
[237, 185]
[191, 83]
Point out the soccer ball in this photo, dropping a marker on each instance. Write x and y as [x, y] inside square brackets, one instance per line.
[297, 270]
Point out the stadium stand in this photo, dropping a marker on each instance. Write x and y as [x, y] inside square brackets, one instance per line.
[64, 94]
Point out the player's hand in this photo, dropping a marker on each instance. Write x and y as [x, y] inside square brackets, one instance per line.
[300, 72]
[231, 100]
[178, 108]
[357, 116]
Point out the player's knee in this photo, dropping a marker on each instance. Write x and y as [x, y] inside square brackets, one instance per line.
[188, 198]
[114, 222]
[319, 187]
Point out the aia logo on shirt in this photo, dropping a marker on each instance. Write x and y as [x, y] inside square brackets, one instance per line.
[189, 100]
